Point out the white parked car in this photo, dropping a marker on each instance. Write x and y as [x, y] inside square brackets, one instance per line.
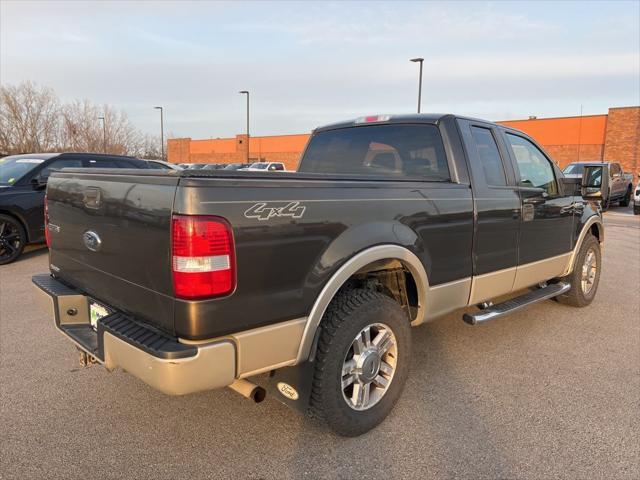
[267, 167]
[636, 199]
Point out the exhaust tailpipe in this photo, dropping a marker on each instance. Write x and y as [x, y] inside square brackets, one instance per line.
[249, 390]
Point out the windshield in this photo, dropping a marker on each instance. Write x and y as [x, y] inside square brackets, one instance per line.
[575, 168]
[13, 169]
[259, 165]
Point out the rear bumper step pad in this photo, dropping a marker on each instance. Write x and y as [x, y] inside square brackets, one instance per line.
[143, 337]
[125, 328]
[505, 308]
[122, 342]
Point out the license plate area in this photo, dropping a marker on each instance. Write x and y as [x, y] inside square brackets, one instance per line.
[96, 312]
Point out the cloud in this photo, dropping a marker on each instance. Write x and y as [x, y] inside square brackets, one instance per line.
[313, 63]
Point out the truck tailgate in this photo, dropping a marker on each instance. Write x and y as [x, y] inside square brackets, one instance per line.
[110, 237]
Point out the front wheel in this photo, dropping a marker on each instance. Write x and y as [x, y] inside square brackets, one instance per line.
[585, 277]
[362, 361]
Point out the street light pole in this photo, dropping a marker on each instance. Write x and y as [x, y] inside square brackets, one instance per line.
[161, 130]
[420, 61]
[245, 92]
[104, 134]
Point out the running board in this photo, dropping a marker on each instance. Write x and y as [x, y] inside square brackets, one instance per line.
[505, 308]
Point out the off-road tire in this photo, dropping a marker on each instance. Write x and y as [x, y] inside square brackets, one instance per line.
[10, 222]
[627, 198]
[575, 296]
[636, 210]
[348, 313]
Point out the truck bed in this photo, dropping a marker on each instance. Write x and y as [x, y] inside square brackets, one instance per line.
[292, 231]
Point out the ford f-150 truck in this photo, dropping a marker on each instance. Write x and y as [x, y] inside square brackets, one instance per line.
[194, 280]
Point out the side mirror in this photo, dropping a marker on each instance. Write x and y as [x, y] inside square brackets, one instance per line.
[594, 185]
[39, 182]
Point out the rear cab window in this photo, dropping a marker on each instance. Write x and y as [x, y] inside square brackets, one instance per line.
[398, 151]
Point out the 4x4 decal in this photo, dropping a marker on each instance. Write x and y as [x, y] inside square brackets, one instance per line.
[263, 212]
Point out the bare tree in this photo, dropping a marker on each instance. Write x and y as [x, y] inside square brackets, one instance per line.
[83, 131]
[29, 118]
[33, 120]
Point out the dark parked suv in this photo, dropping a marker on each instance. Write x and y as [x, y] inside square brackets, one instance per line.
[23, 179]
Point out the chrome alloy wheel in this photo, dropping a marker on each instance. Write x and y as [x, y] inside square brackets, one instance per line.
[369, 366]
[589, 271]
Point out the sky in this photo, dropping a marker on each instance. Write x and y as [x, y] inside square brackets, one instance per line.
[308, 64]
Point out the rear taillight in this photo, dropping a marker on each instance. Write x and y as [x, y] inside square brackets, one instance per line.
[203, 256]
[47, 235]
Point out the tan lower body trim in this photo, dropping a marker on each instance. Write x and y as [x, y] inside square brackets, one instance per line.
[491, 285]
[214, 366]
[268, 348]
[445, 298]
[540, 271]
[265, 348]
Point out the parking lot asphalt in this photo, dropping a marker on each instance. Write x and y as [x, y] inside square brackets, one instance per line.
[549, 392]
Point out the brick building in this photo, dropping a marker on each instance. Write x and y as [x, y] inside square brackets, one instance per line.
[614, 136]
[279, 148]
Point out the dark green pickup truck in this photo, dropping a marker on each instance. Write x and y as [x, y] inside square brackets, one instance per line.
[200, 279]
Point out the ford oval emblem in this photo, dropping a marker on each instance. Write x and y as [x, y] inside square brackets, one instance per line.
[288, 391]
[91, 240]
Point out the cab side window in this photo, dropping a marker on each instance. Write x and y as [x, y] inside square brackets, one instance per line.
[535, 169]
[489, 156]
[57, 165]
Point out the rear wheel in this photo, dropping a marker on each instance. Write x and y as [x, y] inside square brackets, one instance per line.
[12, 239]
[585, 277]
[627, 198]
[362, 361]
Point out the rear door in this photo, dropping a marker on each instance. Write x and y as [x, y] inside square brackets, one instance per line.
[497, 211]
[547, 213]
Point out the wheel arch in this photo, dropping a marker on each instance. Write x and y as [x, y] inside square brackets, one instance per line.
[358, 264]
[595, 227]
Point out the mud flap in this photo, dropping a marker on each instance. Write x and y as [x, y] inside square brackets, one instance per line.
[292, 385]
